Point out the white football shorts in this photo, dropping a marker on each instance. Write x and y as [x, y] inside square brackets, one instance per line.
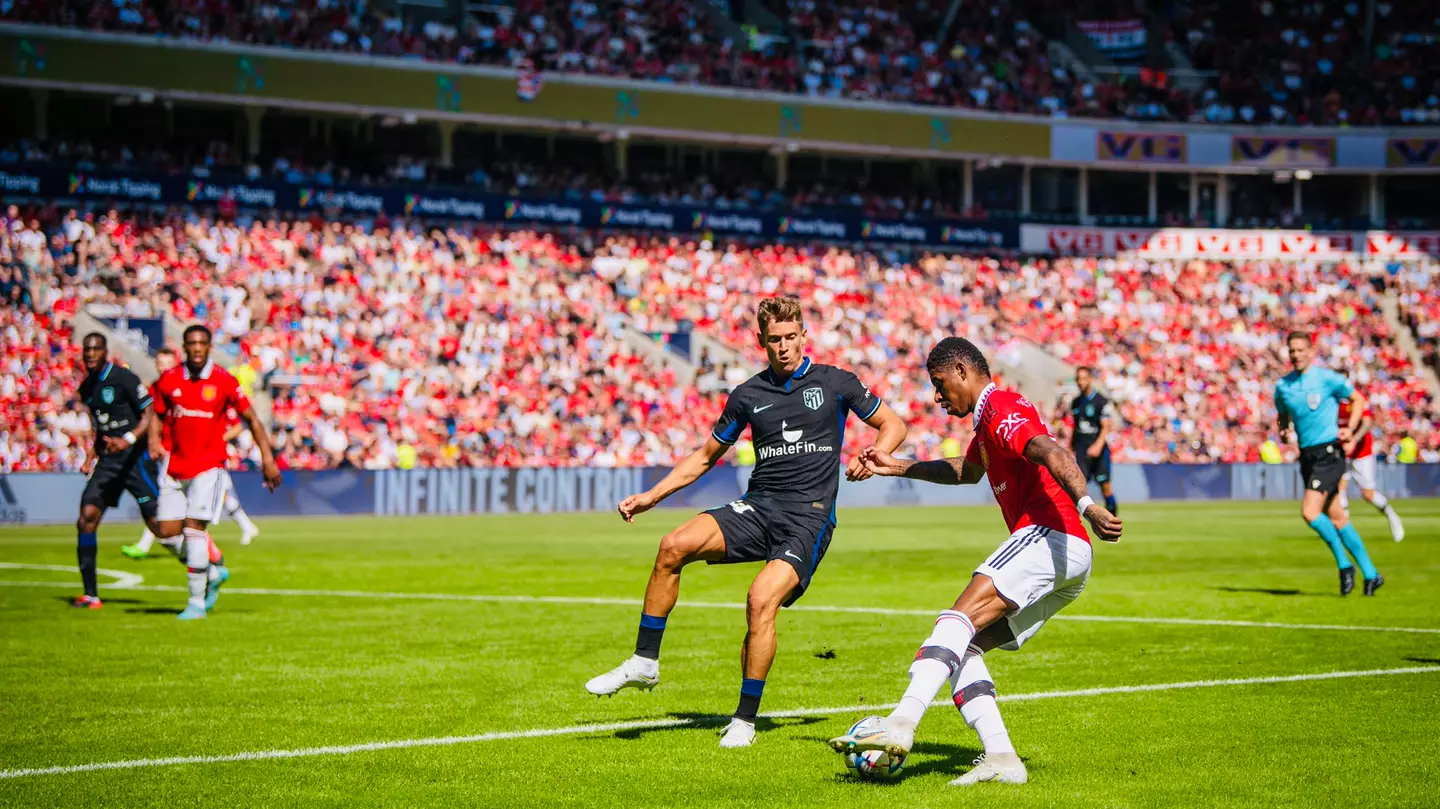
[199, 498]
[1364, 472]
[1039, 570]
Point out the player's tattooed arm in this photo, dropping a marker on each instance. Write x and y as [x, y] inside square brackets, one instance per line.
[1044, 451]
[946, 471]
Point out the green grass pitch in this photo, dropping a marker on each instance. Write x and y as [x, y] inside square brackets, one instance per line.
[323, 653]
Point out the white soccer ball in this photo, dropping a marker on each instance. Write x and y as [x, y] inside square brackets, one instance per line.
[873, 765]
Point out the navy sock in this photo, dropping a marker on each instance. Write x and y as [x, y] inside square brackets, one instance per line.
[647, 642]
[1111, 506]
[86, 546]
[750, 693]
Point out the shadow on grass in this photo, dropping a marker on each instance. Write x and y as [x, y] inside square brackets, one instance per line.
[950, 760]
[107, 601]
[1270, 591]
[694, 721]
[1431, 660]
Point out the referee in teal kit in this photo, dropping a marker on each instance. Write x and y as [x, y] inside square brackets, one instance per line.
[1309, 398]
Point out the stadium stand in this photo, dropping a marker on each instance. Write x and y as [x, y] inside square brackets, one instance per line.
[483, 347]
[1279, 61]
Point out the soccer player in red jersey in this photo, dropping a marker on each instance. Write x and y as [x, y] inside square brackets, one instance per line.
[1038, 571]
[191, 401]
[1359, 441]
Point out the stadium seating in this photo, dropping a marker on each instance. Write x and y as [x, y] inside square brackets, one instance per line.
[492, 347]
[1297, 62]
[1280, 61]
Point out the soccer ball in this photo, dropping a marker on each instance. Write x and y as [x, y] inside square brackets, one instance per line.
[873, 765]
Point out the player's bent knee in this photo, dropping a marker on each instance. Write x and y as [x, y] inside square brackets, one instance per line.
[696, 540]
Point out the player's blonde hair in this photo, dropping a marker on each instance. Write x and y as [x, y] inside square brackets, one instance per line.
[779, 310]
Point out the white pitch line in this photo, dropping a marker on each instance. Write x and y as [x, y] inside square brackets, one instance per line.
[712, 605]
[656, 724]
[122, 578]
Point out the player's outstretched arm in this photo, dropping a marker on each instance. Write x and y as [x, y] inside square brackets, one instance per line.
[946, 471]
[268, 468]
[1042, 450]
[892, 435]
[685, 473]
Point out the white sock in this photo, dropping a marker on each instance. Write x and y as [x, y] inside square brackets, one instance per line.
[952, 634]
[197, 565]
[242, 519]
[978, 706]
[1382, 504]
[647, 666]
[147, 539]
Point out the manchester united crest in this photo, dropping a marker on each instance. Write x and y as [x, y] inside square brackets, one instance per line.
[209, 392]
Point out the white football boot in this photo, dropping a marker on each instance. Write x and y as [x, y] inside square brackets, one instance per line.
[895, 737]
[1004, 768]
[636, 672]
[738, 733]
[1397, 528]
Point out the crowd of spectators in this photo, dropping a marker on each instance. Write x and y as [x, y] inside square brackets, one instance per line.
[1277, 61]
[402, 343]
[1305, 61]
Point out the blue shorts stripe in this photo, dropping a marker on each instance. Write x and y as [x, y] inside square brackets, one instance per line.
[1026, 541]
[145, 476]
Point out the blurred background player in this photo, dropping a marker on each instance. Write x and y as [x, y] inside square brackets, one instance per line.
[191, 400]
[1036, 573]
[796, 411]
[1309, 399]
[1090, 421]
[1360, 448]
[232, 508]
[117, 461]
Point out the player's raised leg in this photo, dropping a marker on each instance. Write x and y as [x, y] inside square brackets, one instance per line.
[236, 511]
[772, 588]
[1365, 472]
[698, 539]
[141, 548]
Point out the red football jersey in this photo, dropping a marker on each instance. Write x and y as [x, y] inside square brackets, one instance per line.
[1028, 494]
[193, 409]
[1366, 447]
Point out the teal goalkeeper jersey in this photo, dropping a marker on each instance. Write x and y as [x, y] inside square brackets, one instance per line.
[1312, 401]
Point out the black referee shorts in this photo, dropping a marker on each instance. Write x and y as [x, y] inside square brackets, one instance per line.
[759, 529]
[115, 474]
[1322, 466]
